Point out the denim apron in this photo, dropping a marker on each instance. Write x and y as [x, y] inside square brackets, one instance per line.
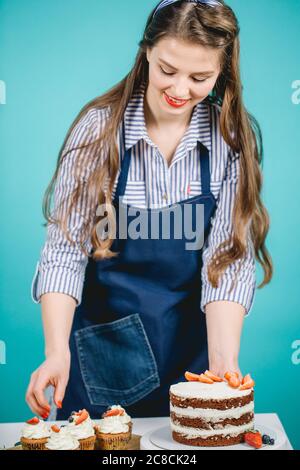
[139, 326]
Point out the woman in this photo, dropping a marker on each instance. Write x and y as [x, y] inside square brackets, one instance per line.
[125, 316]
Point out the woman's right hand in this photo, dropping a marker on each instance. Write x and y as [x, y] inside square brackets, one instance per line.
[54, 371]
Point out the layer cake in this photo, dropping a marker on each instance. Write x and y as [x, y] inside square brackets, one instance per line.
[210, 414]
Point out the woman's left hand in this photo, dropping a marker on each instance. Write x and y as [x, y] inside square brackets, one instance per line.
[220, 369]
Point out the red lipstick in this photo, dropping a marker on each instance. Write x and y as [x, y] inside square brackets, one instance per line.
[173, 102]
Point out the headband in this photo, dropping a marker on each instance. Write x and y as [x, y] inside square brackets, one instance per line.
[165, 3]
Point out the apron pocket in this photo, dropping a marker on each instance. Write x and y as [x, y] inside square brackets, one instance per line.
[117, 362]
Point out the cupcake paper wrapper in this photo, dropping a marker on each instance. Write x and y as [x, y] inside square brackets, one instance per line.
[88, 443]
[33, 444]
[112, 441]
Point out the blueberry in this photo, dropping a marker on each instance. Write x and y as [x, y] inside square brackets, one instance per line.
[71, 419]
[272, 442]
[266, 439]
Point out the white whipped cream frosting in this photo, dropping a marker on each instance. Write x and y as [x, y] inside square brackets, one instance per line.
[112, 425]
[115, 424]
[62, 440]
[193, 433]
[212, 415]
[202, 391]
[125, 418]
[35, 431]
[82, 430]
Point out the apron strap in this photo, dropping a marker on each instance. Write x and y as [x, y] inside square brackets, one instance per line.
[205, 171]
[125, 164]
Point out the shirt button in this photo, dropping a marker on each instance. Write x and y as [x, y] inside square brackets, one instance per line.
[165, 197]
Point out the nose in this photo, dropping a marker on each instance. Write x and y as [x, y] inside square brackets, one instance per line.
[180, 91]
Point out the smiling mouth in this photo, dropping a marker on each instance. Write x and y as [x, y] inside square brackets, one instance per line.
[176, 100]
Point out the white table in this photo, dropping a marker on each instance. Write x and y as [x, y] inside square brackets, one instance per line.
[10, 432]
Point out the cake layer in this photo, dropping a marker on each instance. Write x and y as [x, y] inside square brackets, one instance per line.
[212, 414]
[208, 424]
[194, 433]
[203, 391]
[220, 404]
[214, 441]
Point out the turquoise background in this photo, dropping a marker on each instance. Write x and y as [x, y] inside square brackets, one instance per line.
[57, 55]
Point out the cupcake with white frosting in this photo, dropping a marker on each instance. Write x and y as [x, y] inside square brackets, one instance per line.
[61, 439]
[82, 428]
[34, 434]
[114, 429]
[123, 416]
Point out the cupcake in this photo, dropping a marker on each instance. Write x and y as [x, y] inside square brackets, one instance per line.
[61, 439]
[34, 434]
[82, 428]
[114, 429]
[123, 416]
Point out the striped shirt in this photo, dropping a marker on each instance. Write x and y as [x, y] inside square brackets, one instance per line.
[153, 183]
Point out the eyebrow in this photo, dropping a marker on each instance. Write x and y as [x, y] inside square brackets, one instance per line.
[208, 72]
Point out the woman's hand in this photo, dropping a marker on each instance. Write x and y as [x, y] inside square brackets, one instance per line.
[220, 368]
[54, 371]
[57, 312]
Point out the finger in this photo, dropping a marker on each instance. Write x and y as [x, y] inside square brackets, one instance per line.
[59, 393]
[40, 385]
[32, 402]
[36, 409]
[239, 374]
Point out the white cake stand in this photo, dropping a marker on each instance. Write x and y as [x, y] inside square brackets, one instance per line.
[161, 439]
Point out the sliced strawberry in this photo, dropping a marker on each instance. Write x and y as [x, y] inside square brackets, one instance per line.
[82, 417]
[247, 385]
[204, 379]
[234, 382]
[247, 378]
[113, 412]
[212, 376]
[253, 439]
[33, 421]
[55, 428]
[229, 374]
[190, 377]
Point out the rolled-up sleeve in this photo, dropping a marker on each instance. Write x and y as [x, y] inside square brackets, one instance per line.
[61, 267]
[242, 272]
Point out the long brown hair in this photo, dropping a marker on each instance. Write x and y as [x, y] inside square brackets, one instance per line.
[213, 27]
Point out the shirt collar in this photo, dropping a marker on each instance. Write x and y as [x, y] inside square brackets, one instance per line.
[135, 126]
